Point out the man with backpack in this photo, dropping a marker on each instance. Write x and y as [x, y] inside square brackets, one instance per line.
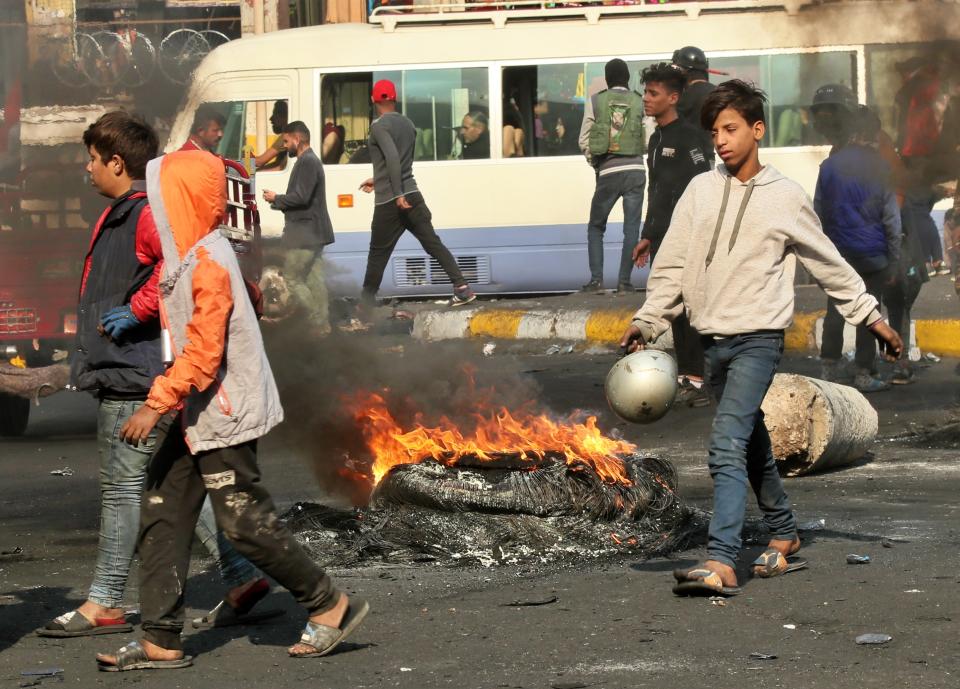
[612, 140]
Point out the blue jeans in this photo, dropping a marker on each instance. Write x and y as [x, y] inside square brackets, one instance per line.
[610, 187]
[123, 469]
[741, 370]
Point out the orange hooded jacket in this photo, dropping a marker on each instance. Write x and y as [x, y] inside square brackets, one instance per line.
[227, 397]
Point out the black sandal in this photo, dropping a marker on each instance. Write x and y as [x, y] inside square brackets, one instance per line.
[134, 657]
[72, 624]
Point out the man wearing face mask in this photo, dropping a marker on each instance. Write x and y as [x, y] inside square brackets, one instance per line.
[307, 228]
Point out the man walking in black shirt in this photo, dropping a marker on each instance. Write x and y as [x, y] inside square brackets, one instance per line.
[399, 205]
[675, 156]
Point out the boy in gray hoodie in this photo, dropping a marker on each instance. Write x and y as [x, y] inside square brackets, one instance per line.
[728, 262]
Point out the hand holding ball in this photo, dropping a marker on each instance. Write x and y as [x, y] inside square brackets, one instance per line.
[641, 387]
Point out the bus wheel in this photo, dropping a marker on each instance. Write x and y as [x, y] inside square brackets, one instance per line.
[14, 414]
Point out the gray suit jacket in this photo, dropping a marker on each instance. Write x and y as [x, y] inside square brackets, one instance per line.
[304, 206]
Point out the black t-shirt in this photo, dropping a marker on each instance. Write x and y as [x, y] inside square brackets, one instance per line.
[479, 149]
[689, 107]
[674, 157]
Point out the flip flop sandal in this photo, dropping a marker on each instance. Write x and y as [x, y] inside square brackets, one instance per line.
[324, 638]
[134, 657]
[226, 616]
[702, 582]
[71, 624]
[772, 563]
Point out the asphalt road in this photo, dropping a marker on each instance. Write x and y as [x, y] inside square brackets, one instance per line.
[614, 623]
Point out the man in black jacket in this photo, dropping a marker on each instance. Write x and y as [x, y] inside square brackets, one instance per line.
[695, 66]
[675, 155]
[307, 228]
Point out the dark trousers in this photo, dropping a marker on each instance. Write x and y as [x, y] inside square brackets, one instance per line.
[389, 224]
[688, 347]
[741, 370]
[832, 345]
[917, 205]
[177, 482]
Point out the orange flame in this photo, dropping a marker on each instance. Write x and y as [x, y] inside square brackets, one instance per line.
[523, 434]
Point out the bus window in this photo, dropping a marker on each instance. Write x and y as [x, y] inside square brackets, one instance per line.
[239, 133]
[790, 80]
[546, 102]
[449, 107]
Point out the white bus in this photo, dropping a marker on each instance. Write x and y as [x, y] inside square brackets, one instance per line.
[518, 224]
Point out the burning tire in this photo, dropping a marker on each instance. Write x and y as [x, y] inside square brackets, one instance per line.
[14, 415]
[553, 488]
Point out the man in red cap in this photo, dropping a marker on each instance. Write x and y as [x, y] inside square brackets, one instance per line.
[399, 204]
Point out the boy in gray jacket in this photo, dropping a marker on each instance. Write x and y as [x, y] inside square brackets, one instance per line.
[728, 262]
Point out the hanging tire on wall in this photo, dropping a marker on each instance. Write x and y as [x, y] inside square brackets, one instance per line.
[14, 415]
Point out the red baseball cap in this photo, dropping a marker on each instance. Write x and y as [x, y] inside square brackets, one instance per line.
[384, 90]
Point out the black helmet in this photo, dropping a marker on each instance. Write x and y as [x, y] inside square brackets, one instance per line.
[691, 57]
[835, 94]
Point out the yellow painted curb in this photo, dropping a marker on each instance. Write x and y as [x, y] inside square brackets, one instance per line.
[608, 326]
[800, 335]
[499, 324]
[939, 336]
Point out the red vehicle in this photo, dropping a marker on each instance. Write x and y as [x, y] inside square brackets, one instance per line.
[44, 235]
[45, 225]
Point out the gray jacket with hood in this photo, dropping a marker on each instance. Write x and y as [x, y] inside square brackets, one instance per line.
[221, 381]
[730, 256]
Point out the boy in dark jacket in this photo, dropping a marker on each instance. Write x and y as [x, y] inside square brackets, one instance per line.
[858, 209]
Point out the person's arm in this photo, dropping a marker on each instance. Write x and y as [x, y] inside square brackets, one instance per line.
[664, 287]
[300, 191]
[273, 150]
[588, 120]
[834, 275]
[891, 226]
[195, 366]
[145, 302]
[391, 157]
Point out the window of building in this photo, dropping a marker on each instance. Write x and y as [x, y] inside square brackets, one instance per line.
[450, 108]
[790, 81]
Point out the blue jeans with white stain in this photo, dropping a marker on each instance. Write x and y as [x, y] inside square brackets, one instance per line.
[123, 470]
[741, 370]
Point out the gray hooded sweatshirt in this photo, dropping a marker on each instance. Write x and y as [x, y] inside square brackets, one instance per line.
[730, 256]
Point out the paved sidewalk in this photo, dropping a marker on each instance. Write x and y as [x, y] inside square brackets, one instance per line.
[602, 319]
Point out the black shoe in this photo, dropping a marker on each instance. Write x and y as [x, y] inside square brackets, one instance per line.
[625, 288]
[462, 296]
[594, 287]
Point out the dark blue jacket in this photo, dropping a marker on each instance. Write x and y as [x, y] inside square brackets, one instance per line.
[858, 208]
[121, 267]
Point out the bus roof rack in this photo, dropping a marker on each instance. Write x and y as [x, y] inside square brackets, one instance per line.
[499, 12]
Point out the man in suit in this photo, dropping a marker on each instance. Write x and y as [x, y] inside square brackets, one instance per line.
[307, 228]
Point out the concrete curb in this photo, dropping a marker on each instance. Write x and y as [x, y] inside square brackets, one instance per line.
[605, 326]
